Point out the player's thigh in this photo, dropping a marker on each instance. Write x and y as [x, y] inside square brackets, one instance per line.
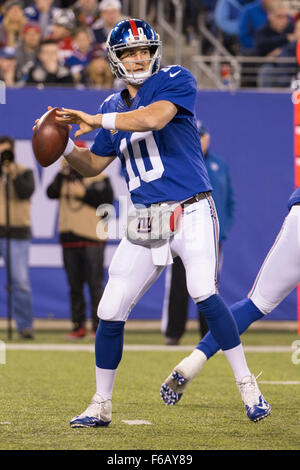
[197, 246]
[280, 272]
[131, 273]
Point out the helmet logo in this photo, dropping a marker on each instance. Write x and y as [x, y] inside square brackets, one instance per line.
[133, 32]
[137, 34]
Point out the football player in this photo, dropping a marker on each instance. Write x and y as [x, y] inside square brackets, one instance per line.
[150, 125]
[277, 277]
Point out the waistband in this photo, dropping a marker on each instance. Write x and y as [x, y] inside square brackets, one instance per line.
[196, 198]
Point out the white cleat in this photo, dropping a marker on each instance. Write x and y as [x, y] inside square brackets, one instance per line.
[257, 408]
[98, 413]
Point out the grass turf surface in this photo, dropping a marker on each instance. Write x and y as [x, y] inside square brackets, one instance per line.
[41, 390]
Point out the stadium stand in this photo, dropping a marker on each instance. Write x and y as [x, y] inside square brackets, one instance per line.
[211, 38]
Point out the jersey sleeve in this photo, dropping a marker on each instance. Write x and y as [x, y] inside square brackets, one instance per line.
[178, 86]
[102, 145]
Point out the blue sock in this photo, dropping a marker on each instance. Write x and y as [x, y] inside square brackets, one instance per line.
[220, 321]
[109, 344]
[244, 312]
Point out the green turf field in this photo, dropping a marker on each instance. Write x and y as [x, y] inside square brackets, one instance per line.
[41, 390]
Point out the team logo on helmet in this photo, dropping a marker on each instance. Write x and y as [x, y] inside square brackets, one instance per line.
[128, 34]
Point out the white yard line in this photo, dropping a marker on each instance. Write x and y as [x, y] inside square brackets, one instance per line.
[135, 422]
[279, 382]
[131, 347]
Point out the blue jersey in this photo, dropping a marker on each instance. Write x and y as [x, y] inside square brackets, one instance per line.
[164, 165]
[295, 197]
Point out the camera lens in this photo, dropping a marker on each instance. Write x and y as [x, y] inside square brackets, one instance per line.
[7, 156]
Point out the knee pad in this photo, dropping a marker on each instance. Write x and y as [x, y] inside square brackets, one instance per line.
[111, 306]
[200, 281]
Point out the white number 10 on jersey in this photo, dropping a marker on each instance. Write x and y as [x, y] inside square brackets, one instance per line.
[154, 156]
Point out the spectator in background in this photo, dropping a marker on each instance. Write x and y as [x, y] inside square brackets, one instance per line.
[110, 11]
[21, 184]
[227, 18]
[27, 50]
[207, 10]
[65, 3]
[276, 33]
[175, 313]
[86, 12]
[83, 251]
[253, 17]
[13, 23]
[270, 39]
[98, 73]
[48, 70]
[42, 12]
[8, 66]
[1, 10]
[191, 19]
[82, 47]
[62, 30]
[289, 71]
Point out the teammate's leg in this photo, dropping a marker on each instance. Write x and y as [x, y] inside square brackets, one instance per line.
[278, 276]
[131, 273]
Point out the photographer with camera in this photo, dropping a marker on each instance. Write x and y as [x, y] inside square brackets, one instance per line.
[16, 188]
[83, 251]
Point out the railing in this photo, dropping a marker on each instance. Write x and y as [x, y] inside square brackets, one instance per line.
[233, 72]
[173, 33]
[170, 34]
[135, 8]
[221, 69]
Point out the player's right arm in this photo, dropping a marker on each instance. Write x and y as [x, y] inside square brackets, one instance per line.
[86, 162]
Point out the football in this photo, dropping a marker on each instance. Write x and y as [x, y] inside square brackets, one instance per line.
[49, 138]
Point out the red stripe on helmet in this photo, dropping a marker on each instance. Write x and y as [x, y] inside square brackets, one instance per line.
[134, 28]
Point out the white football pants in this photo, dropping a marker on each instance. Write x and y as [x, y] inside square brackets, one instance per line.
[132, 270]
[280, 272]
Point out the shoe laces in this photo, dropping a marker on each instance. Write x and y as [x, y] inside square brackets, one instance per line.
[249, 390]
[93, 408]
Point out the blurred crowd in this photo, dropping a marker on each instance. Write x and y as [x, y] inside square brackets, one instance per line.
[44, 42]
[62, 42]
[264, 29]
[251, 27]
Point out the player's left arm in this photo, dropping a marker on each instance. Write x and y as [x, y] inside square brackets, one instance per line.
[155, 116]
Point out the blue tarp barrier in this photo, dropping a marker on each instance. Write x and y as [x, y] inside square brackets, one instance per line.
[252, 131]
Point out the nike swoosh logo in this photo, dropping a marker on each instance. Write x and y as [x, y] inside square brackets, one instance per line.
[174, 74]
[187, 213]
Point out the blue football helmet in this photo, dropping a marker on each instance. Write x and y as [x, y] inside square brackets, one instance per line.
[127, 34]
